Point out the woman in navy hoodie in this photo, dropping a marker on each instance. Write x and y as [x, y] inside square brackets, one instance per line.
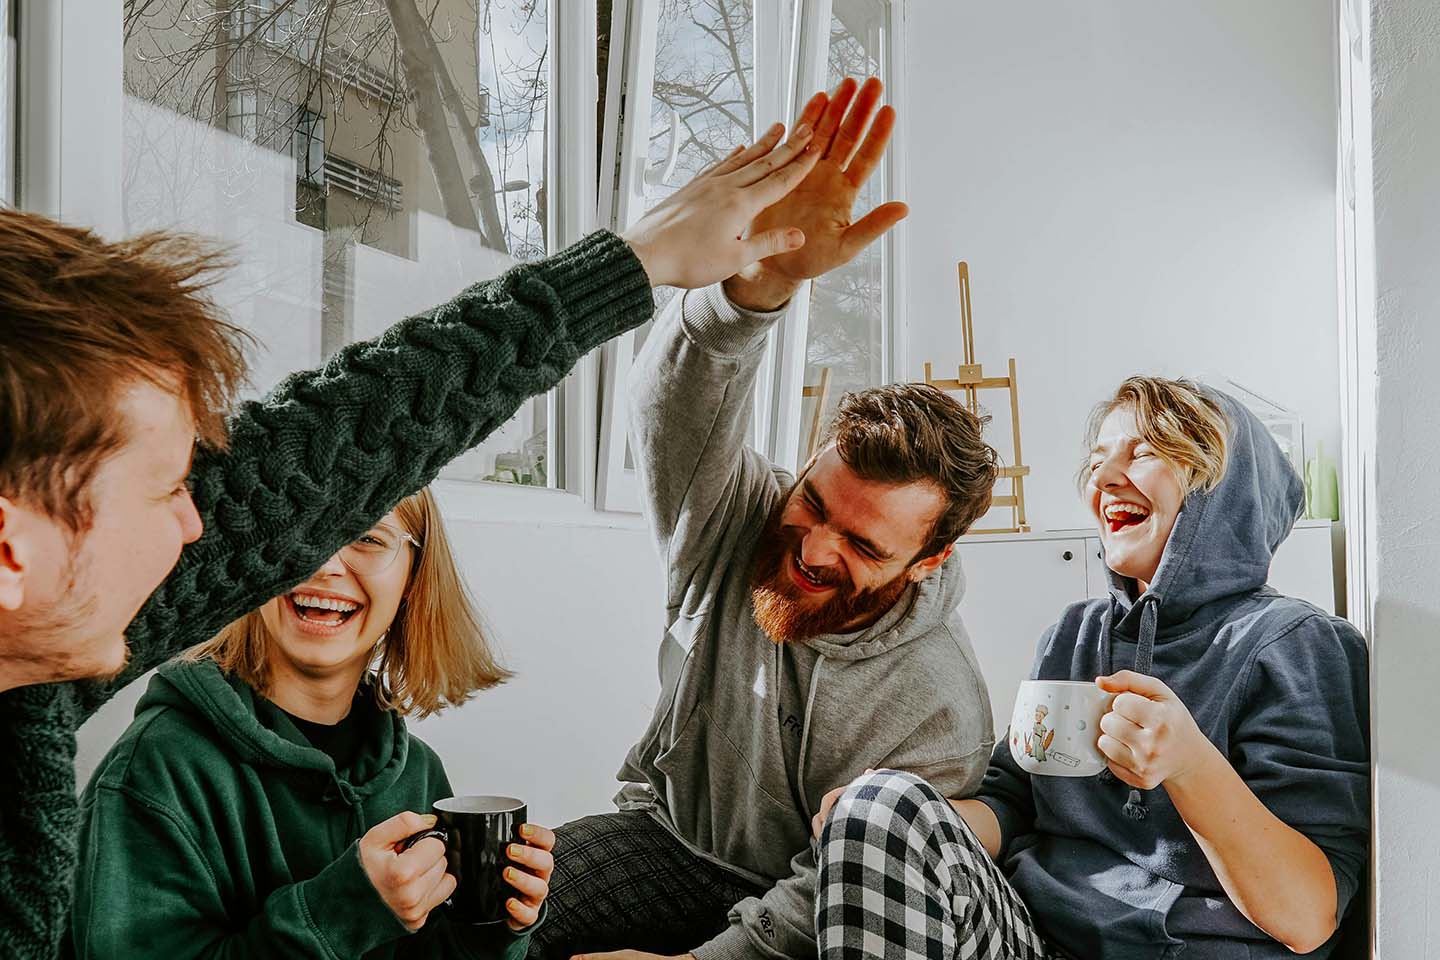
[1233, 821]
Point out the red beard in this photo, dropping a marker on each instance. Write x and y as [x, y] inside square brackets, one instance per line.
[787, 613]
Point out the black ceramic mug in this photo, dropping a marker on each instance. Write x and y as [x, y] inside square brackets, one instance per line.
[477, 831]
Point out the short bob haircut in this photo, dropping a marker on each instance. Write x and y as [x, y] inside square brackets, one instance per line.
[436, 652]
[1184, 425]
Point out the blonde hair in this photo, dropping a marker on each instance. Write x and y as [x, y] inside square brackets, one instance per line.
[436, 652]
[1185, 427]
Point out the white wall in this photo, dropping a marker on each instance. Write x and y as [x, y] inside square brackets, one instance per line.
[1406, 666]
[577, 610]
[1139, 187]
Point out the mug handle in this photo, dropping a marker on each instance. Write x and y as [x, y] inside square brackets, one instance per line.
[439, 833]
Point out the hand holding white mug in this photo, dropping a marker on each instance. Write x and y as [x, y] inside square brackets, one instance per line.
[412, 881]
[1149, 736]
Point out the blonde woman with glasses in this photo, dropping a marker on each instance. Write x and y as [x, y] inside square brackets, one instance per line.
[258, 804]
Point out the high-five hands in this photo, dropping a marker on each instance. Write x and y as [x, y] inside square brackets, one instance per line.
[698, 236]
[770, 216]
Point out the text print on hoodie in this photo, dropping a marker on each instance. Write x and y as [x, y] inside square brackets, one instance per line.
[1279, 686]
[748, 734]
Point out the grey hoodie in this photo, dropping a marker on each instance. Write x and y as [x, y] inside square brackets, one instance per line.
[748, 735]
[1280, 687]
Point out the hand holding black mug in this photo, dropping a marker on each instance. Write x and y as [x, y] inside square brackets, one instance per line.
[406, 859]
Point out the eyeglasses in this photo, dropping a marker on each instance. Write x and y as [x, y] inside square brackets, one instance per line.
[374, 551]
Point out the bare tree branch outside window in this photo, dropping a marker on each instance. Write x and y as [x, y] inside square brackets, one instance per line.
[364, 158]
[388, 107]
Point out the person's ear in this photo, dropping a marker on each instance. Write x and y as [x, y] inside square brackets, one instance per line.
[921, 569]
[15, 550]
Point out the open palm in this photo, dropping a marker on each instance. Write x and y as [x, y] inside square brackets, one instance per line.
[823, 204]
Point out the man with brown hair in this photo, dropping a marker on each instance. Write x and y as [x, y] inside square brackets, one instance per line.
[113, 361]
[811, 626]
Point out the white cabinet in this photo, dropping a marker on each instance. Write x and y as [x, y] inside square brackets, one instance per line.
[1014, 589]
[1017, 584]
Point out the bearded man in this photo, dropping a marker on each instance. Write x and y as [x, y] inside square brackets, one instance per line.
[811, 622]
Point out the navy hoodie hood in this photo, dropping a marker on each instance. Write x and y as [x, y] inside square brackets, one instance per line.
[1111, 872]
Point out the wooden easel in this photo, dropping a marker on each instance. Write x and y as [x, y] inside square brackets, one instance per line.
[971, 380]
[821, 393]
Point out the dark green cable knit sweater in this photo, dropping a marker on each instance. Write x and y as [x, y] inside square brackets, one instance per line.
[309, 468]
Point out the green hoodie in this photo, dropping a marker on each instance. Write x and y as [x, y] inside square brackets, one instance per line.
[213, 829]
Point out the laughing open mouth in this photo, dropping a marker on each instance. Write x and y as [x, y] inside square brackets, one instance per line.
[322, 611]
[811, 579]
[1121, 516]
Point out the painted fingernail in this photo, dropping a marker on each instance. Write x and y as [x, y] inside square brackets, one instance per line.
[430, 819]
[527, 831]
[509, 873]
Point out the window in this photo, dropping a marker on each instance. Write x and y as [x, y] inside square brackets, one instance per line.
[351, 199]
[290, 131]
[705, 75]
[307, 148]
[289, 25]
[281, 126]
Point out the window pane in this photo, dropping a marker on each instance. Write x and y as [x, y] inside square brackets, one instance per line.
[350, 199]
[847, 330]
[704, 88]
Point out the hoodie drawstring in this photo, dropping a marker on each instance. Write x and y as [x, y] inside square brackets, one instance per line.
[1149, 604]
[1107, 621]
[805, 729]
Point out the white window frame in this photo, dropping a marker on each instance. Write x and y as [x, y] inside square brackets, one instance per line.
[624, 153]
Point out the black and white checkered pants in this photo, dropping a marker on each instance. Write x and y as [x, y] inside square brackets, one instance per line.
[622, 882]
[903, 876]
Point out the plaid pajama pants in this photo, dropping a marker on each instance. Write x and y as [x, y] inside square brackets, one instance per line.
[622, 882]
[903, 877]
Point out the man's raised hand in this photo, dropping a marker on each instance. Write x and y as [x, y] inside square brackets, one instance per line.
[852, 131]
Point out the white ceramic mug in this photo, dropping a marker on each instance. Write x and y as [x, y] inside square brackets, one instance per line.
[1055, 726]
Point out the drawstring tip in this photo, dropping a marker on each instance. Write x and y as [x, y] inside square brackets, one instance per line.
[1135, 807]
